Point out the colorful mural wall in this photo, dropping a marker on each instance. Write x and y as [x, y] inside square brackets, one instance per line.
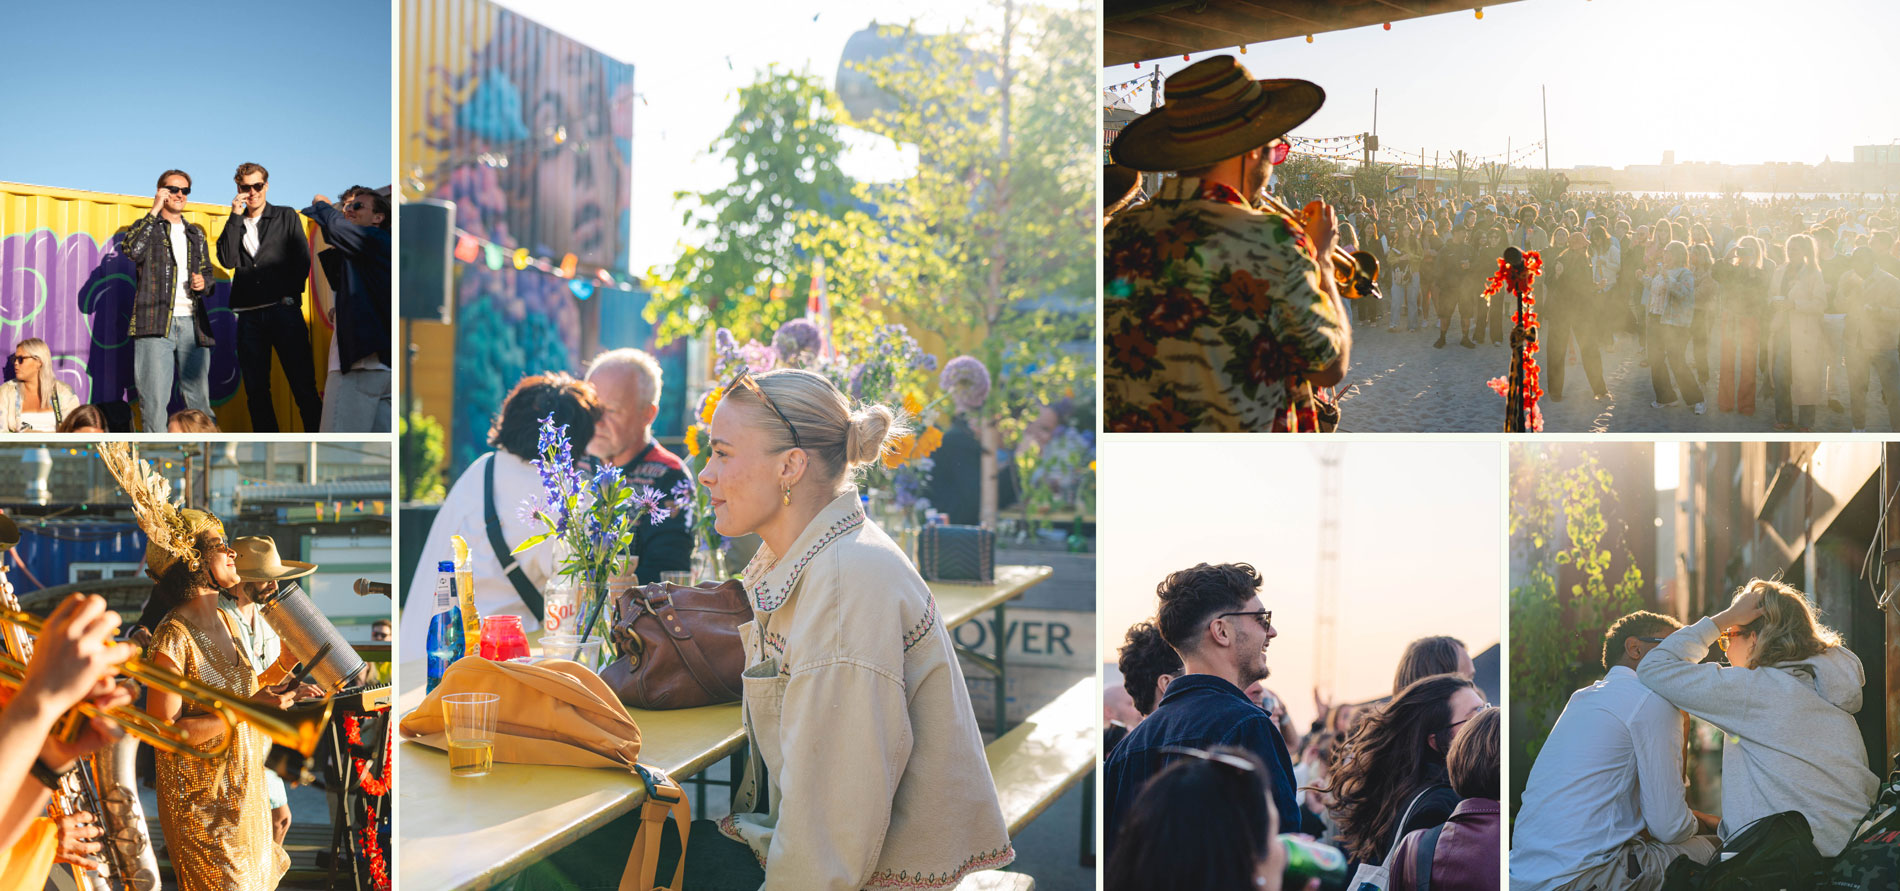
[530, 133]
[63, 280]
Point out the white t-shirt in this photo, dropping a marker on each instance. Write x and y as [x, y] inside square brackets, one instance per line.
[250, 235]
[38, 421]
[181, 283]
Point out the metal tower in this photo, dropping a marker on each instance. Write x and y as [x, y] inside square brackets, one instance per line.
[1326, 574]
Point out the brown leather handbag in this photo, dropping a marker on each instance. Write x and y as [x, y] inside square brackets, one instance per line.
[679, 646]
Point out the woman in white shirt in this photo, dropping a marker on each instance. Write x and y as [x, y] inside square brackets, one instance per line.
[35, 401]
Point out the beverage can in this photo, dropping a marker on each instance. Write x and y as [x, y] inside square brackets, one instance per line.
[1308, 859]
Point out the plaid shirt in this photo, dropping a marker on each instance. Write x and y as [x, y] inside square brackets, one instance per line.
[1213, 316]
[148, 244]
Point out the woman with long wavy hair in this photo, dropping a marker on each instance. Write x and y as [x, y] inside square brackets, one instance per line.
[1389, 778]
[1787, 701]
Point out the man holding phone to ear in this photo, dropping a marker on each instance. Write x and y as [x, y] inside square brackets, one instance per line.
[265, 244]
[171, 329]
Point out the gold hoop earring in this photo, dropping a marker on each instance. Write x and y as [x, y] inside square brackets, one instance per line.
[788, 497]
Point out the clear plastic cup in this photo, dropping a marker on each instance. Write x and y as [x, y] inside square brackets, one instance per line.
[470, 724]
[683, 578]
[569, 646]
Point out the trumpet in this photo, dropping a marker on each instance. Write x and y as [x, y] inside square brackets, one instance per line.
[300, 731]
[1358, 271]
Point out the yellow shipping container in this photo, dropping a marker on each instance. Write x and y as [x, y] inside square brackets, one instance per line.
[63, 280]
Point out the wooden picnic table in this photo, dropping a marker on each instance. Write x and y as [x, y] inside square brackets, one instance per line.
[471, 834]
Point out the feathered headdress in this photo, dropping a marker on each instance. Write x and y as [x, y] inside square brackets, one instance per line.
[171, 532]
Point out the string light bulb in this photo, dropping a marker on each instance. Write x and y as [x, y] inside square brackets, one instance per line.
[1243, 49]
[1309, 38]
[1388, 26]
[1480, 13]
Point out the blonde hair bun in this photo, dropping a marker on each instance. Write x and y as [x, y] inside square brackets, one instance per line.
[871, 430]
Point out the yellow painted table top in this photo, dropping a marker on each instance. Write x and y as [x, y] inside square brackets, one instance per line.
[473, 833]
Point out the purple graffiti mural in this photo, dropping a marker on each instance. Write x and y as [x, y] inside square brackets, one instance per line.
[76, 295]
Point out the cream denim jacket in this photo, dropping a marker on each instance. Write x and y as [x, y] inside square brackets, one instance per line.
[867, 769]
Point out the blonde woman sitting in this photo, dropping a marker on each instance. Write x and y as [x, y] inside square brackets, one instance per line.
[35, 401]
[1786, 699]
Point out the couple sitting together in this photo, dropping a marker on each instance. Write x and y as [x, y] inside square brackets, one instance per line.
[1605, 806]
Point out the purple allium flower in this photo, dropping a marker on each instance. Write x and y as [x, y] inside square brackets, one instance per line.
[797, 339]
[925, 361]
[857, 382]
[758, 357]
[967, 382]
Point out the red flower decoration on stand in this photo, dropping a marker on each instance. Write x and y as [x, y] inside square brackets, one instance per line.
[375, 789]
[1522, 391]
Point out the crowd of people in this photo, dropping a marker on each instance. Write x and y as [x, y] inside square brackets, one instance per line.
[1402, 784]
[1785, 703]
[1781, 305]
[171, 333]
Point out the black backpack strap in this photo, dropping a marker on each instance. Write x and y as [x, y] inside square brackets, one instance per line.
[1422, 864]
[510, 566]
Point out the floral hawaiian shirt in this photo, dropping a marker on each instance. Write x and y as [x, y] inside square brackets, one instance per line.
[1213, 313]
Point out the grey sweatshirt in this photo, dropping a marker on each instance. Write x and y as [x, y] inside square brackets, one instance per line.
[1798, 748]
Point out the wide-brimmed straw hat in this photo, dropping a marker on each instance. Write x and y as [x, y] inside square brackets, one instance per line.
[258, 561]
[1215, 110]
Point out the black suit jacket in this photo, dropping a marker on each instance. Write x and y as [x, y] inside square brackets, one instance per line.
[282, 264]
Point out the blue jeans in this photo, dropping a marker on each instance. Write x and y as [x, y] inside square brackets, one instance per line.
[158, 361]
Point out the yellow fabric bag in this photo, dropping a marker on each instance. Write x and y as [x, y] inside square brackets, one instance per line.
[557, 712]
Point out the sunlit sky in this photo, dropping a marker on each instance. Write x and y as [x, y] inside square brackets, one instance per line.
[1421, 544]
[690, 58]
[1741, 82]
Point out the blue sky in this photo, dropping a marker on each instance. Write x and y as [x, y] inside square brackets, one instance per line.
[1742, 81]
[105, 96]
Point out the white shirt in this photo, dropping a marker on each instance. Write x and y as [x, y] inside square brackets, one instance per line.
[38, 421]
[1611, 768]
[250, 235]
[181, 282]
[461, 514]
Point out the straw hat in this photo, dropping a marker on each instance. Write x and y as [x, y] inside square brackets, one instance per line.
[257, 561]
[1215, 110]
[1119, 186]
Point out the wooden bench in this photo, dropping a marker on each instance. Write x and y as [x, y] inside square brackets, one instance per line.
[1034, 764]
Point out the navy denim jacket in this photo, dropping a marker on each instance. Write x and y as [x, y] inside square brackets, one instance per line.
[1199, 711]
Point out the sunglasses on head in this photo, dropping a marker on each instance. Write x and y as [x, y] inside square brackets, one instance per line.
[1221, 758]
[181, 190]
[248, 188]
[744, 379]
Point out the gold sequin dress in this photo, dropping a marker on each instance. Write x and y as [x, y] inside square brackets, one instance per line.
[214, 812]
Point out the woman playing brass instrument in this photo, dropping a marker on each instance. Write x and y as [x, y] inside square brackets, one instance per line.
[214, 810]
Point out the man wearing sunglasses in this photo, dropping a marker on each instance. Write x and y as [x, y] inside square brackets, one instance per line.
[1219, 316]
[1604, 807]
[1212, 616]
[171, 329]
[264, 243]
[356, 398]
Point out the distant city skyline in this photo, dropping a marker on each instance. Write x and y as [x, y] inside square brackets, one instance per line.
[1627, 80]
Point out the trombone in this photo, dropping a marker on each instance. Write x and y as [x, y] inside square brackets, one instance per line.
[301, 731]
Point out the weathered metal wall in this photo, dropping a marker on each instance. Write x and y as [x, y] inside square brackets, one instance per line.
[530, 133]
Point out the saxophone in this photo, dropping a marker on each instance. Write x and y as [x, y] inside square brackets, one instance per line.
[125, 846]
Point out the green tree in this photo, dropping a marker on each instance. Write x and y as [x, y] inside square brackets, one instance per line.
[1370, 179]
[746, 274]
[989, 249]
[1558, 526]
[424, 448]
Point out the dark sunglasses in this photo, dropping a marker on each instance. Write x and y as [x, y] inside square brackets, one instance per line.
[1485, 708]
[357, 205]
[1221, 758]
[182, 190]
[744, 378]
[248, 188]
[1264, 615]
[19, 359]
